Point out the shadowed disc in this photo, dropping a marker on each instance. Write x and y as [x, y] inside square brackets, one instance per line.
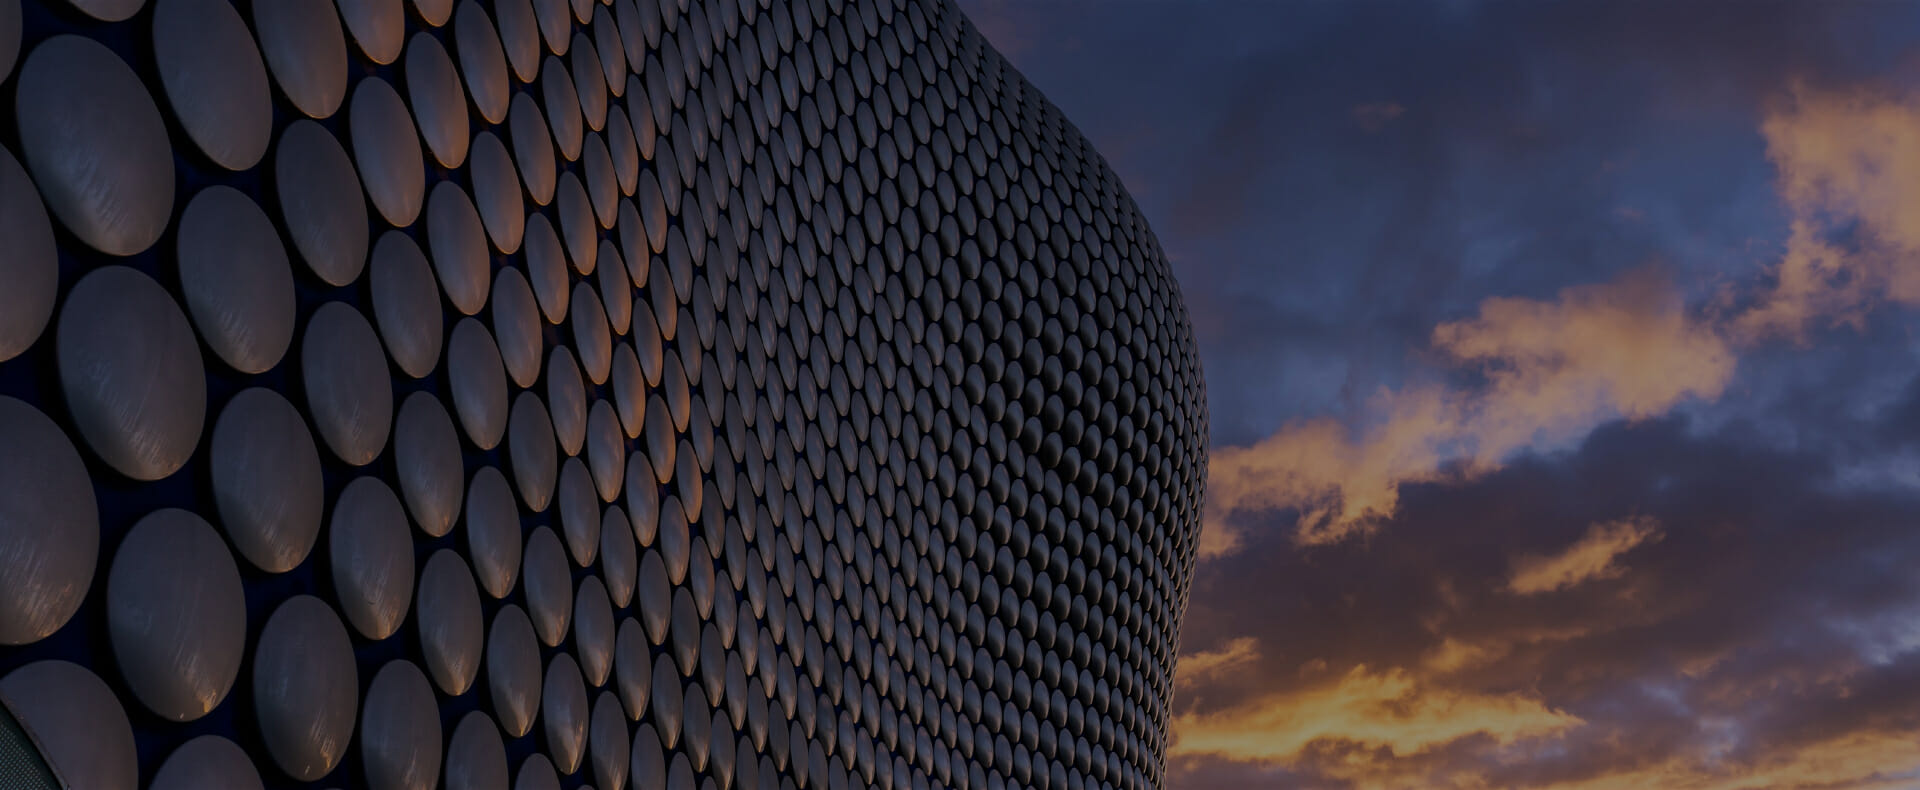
[439, 103]
[348, 390]
[207, 761]
[305, 687]
[536, 774]
[532, 147]
[567, 397]
[320, 199]
[372, 553]
[549, 586]
[400, 730]
[387, 151]
[177, 614]
[131, 371]
[266, 479]
[306, 51]
[607, 741]
[452, 632]
[493, 532]
[513, 670]
[31, 267]
[215, 79]
[593, 630]
[476, 757]
[496, 192]
[516, 326]
[427, 456]
[378, 26]
[563, 710]
[49, 525]
[406, 304]
[76, 721]
[479, 383]
[482, 61]
[531, 452]
[619, 560]
[632, 667]
[95, 143]
[459, 245]
[236, 279]
[579, 511]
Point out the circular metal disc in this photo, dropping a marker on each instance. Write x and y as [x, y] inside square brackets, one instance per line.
[593, 630]
[75, 720]
[320, 198]
[632, 667]
[207, 761]
[607, 741]
[9, 36]
[496, 192]
[493, 532]
[177, 614]
[606, 450]
[95, 143]
[378, 26]
[549, 586]
[387, 151]
[406, 304]
[348, 389]
[479, 383]
[266, 479]
[31, 267]
[400, 730]
[647, 761]
[131, 371]
[427, 455]
[459, 245]
[532, 147]
[215, 79]
[451, 628]
[516, 325]
[482, 61]
[306, 51]
[439, 103]
[547, 268]
[537, 774]
[563, 709]
[579, 512]
[567, 397]
[49, 525]
[531, 452]
[372, 557]
[513, 670]
[619, 560]
[434, 12]
[305, 687]
[476, 757]
[236, 278]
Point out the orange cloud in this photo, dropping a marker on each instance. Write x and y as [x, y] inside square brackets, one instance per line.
[1389, 710]
[1552, 371]
[1197, 667]
[1592, 557]
[1847, 162]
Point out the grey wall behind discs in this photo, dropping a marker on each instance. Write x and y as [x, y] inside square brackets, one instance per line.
[559, 393]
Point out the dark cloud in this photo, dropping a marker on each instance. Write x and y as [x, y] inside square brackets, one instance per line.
[1728, 600]
[1773, 603]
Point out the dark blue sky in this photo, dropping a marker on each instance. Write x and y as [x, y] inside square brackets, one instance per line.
[1653, 532]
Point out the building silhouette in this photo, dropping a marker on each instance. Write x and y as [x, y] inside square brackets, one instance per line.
[561, 393]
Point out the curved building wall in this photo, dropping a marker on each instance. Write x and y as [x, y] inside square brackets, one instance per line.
[561, 393]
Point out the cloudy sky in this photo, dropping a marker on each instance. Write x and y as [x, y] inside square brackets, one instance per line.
[1566, 423]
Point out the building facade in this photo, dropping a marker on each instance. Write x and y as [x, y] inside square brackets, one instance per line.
[492, 394]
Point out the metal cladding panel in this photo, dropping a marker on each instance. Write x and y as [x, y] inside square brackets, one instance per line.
[553, 393]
